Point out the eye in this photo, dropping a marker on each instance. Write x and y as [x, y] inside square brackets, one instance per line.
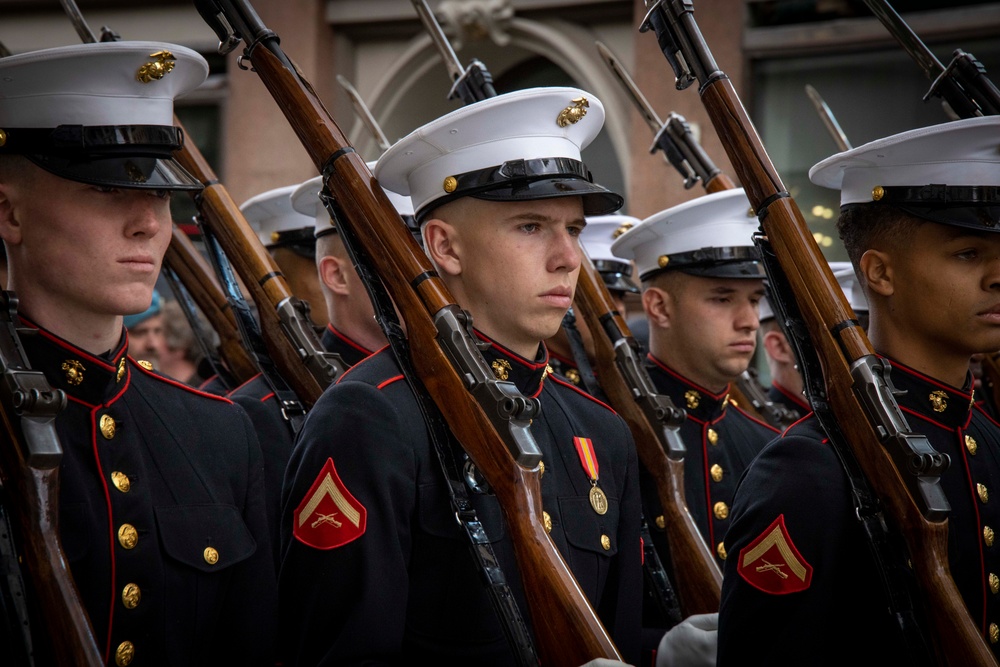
[575, 230]
[105, 189]
[967, 254]
[529, 227]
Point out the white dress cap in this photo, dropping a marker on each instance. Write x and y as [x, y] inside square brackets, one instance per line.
[306, 200]
[848, 281]
[596, 238]
[522, 145]
[961, 157]
[271, 215]
[711, 236]
[56, 106]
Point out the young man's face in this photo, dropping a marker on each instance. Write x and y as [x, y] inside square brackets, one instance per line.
[519, 267]
[710, 331]
[945, 292]
[83, 250]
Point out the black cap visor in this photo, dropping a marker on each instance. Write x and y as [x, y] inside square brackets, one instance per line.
[134, 157]
[528, 180]
[617, 276]
[731, 262]
[972, 207]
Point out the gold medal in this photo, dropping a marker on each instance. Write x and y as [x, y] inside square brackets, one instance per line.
[598, 500]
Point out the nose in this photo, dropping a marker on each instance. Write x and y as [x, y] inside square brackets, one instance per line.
[748, 317]
[566, 253]
[149, 211]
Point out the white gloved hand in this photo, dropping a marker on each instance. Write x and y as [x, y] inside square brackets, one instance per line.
[605, 662]
[690, 643]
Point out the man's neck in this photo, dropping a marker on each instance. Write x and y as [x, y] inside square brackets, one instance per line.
[90, 332]
[930, 359]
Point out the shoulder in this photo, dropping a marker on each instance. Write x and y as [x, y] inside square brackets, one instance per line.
[169, 389]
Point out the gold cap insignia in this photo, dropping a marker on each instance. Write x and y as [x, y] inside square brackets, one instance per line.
[663, 261]
[622, 229]
[275, 237]
[692, 398]
[573, 113]
[939, 400]
[501, 369]
[878, 192]
[450, 184]
[157, 69]
[74, 371]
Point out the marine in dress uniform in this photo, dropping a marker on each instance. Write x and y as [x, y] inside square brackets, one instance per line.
[918, 221]
[616, 274]
[787, 389]
[375, 568]
[709, 239]
[295, 214]
[161, 509]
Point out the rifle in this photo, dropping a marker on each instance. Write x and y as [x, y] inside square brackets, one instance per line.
[488, 417]
[630, 391]
[472, 83]
[290, 344]
[848, 384]
[682, 150]
[193, 273]
[30, 455]
[963, 85]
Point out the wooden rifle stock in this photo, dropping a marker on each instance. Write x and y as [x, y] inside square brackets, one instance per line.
[30, 455]
[196, 276]
[566, 628]
[697, 578]
[838, 340]
[259, 273]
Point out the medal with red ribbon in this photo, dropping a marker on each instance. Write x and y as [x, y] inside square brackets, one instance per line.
[588, 459]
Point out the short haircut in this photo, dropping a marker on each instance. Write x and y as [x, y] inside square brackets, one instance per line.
[879, 226]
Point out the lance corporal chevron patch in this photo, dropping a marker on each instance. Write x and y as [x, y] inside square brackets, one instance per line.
[328, 516]
[772, 563]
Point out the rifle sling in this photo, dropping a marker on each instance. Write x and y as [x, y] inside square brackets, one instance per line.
[658, 586]
[291, 407]
[580, 356]
[503, 602]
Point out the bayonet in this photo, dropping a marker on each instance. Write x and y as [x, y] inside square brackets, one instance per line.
[364, 113]
[471, 84]
[832, 126]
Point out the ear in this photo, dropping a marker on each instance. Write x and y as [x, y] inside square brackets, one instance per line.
[443, 246]
[658, 304]
[10, 227]
[333, 273]
[876, 266]
[777, 347]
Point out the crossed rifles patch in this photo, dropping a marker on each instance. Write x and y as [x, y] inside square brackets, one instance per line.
[772, 563]
[328, 516]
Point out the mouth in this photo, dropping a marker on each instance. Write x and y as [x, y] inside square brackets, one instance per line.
[138, 262]
[561, 297]
[743, 346]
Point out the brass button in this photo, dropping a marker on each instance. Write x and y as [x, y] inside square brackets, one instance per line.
[713, 437]
[994, 583]
[988, 536]
[148, 365]
[878, 192]
[661, 522]
[450, 184]
[128, 536]
[547, 522]
[984, 494]
[605, 542]
[720, 549]
[211, 555]
[107, 426]
[994, 633]
[541, 469]
[662, 261]
[121, 481]
[720, 510]
[124, 653]
[573, 376]
[971, 445]
[716, 472]
[131, 595]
